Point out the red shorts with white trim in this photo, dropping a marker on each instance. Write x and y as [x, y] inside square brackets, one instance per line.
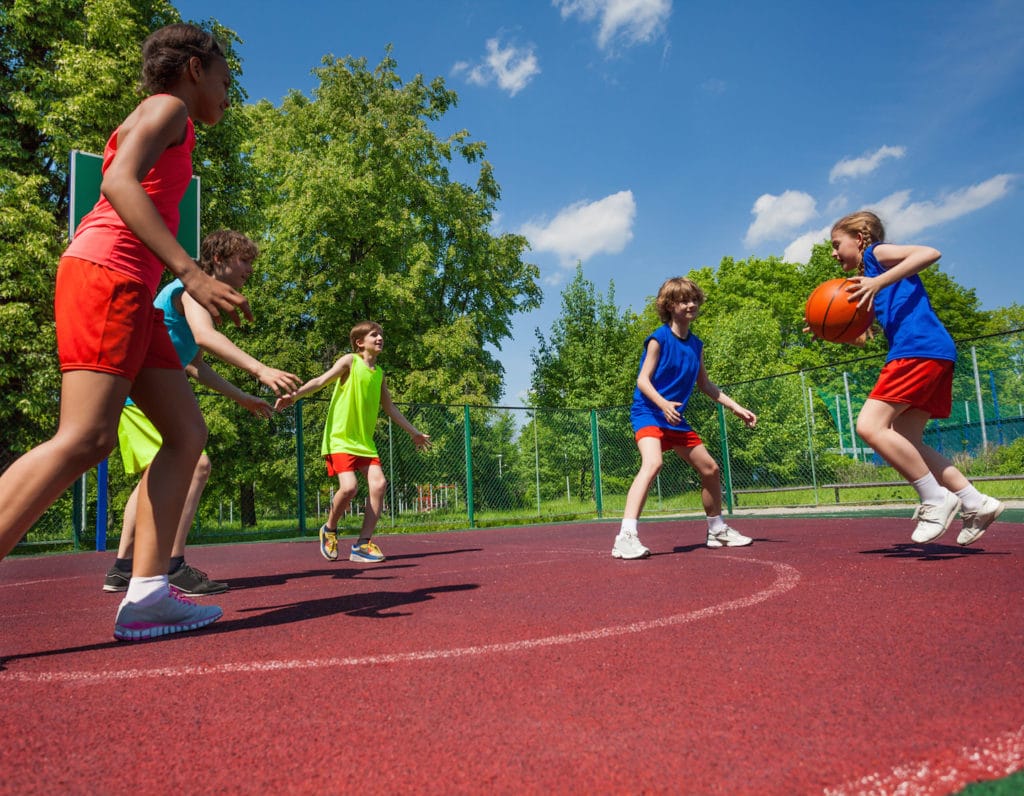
[670, 439]
[925, 384]
[106, 322]
[338, 463]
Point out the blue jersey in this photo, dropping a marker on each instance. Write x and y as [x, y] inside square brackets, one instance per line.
[177, 326]
[907, 318]
[674, 378]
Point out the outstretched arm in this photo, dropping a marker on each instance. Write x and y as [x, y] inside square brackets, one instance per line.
[217, 343]
[420, 440]
[339, 370]
[199, 370]
[712, 390]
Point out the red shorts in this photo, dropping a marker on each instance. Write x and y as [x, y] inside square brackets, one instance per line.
[338, 463]
[106, 322]
[925, 384]
[670, 439]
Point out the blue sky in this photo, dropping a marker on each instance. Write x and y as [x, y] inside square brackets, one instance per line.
[648, 137]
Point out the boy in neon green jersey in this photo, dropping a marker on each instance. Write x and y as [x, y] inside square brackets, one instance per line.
[348, 448]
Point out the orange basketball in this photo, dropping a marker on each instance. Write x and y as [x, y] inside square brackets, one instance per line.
[832, 316]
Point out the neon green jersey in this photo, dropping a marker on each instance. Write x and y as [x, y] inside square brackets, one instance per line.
[352, 415]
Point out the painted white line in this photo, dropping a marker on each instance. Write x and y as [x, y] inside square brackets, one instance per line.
[786, 578]
[991, 758]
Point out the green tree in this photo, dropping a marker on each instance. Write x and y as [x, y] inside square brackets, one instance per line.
[363, 220]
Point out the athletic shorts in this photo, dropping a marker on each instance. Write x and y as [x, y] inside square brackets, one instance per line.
[338, 463]
[925, 384]
[670, 439]
[106, 322]
[138, 440]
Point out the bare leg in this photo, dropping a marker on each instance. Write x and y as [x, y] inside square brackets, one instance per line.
[166, 399]
[200, 477]
[911, 425]
[347, 488]
[377, 484]
[710, 477]
[875, 425]
[90, 406]
[650, 465]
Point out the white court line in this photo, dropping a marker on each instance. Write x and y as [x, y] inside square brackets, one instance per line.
[991, 758]
[786, 578]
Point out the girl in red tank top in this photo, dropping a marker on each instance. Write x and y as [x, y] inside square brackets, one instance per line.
[111, 342]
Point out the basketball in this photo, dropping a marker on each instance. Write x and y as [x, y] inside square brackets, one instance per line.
[832, 316]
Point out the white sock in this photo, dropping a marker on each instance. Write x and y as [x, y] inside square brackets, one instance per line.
[930, 490]
[970, 498]
[146, 591]
[628, 527]
[716, 524]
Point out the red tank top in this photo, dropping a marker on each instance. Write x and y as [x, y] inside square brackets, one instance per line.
[102, 236]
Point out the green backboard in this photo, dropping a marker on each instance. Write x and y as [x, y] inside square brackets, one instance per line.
[86, 175]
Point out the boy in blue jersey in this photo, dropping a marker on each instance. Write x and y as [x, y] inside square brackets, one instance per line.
[916, 383]
[671, 365]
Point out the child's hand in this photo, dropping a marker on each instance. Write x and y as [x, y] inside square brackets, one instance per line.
[216, 297]
[671, 412]
[864, 291]
[257, 406]
[283, 402]
[279, 381]
[420, 440]
[744, 414]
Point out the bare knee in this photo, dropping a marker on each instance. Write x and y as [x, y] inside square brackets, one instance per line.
[203, 469]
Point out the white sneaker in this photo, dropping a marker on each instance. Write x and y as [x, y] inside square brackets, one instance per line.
[171, 614]
[932, 521]
[727, 537]
[627, 545]
[975, 522]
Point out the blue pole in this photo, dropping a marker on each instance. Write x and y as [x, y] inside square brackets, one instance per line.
[102, 481]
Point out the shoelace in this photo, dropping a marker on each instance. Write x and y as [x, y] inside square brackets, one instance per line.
[179, 595]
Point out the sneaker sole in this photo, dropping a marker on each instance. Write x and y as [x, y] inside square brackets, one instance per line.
[108, 587]
[624, 557]
[981, 531]
[156, 631]
[716, 544]
[358, 560]
[206, 593]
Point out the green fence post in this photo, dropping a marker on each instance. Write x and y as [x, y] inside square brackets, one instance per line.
[77, 511]
[597, 461]
[726, 470]
[469, 467]
[300, 452]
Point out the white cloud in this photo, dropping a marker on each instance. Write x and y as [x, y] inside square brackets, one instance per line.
[511, 67]
[865, 164]
[904, 220]
[799, 251]
[628, 21]
[775, 216]
[582, 230]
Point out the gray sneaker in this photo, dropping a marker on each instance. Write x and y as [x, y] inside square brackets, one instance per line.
[975, 522]
[728, 537]
[116, 580]
[171, 614]
[932, 521]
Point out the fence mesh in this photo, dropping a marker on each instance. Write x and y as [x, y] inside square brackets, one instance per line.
[512, 465]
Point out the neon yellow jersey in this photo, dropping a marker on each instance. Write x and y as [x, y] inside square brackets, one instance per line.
[352, 415]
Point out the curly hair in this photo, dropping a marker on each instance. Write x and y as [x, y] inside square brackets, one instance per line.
[221, 246]
[675, 291]
[166, 53]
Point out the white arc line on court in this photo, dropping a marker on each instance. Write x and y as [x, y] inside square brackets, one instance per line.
[786, 578]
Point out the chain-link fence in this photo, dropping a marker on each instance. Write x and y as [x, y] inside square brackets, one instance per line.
[492, 466]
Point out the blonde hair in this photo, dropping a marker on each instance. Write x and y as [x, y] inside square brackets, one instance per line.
[675, 291]
[863, 222]
[360, 330]
[220, 246]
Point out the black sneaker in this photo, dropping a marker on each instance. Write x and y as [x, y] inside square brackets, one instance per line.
[116, 580]
[195, 583]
